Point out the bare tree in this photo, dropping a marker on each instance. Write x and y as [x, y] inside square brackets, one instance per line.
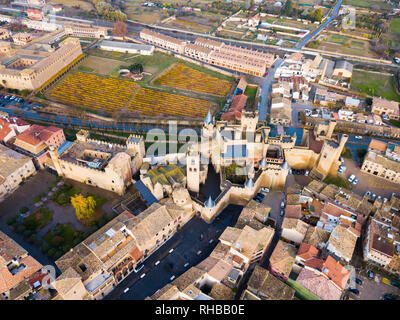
[120, 29]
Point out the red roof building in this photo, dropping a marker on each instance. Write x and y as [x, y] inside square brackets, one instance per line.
[235, 111]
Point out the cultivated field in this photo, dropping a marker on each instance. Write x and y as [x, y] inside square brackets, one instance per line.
[97, 93]
[183, 77]
[395, 25]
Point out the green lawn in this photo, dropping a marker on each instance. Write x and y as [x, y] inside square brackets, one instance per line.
[395, 25]
[250, 92]
[301, 292]
[87, 69]
[375, 84]
[367, 4]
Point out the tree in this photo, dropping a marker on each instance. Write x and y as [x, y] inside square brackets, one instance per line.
[84, 207]
[288, 8]
[136, 68]
[120, 29]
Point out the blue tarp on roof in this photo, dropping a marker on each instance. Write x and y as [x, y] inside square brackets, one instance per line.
[235, 151]
[145, 192]
[65, 145]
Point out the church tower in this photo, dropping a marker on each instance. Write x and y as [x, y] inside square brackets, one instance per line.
[193, 171]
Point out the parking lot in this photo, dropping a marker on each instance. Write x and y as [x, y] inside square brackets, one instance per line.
[12, 100]
[379, 186]
[372, 289]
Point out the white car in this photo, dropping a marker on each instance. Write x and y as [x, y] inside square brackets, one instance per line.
[358, 137]
[282, 204]
[351, 178]
[265, 190]
[307, 172]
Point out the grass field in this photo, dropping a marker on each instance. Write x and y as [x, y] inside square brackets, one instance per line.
[375, 84]
[368, 4]
[250, 92]
[100, 65]
[338, 181]
[301, 292]
[85, 5]
[395, 25]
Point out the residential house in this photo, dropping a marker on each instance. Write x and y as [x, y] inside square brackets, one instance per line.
[282, 260]
[263, 285]
[294, 230]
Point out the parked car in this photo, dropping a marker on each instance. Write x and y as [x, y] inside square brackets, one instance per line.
[368, 193]
[354, 290]
[370, 274]
[393, 195]
[388, 296]
[358, 137]
[340, 170]
[355, 181]
[307, 172]
[138, 267]
[265, 190]
[358, 281]
[282, 213]
[373, 196]
[351, 178]
[282, 204]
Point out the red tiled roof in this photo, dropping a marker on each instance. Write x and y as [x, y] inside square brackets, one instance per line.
[4, 129]
[293, 211]
[37, 134]
[314, 263]
[336, 272]
[135, 253]
[307, 251]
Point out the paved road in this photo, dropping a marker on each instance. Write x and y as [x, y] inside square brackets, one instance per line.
[307, 38]
[186, 243]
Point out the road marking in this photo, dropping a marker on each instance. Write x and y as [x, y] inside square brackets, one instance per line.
[172, 278]
[157, 262]
[170, 251]
[142, 276]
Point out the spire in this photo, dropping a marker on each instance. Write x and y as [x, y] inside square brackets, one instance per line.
[249, 183]
[209, 118]
[285, 166]
[263, 162]
[209, 203]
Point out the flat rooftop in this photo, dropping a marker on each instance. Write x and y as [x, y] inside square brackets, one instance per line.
[83, 153]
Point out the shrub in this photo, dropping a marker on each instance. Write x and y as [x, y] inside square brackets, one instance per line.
[51, 252]
[20, 228]
[11, 220]
[39, 219]
[32, 238]
[24, 210]
[45, 247]
[27, 234]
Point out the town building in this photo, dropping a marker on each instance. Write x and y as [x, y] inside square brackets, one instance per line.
[263, 285]
[382, 160]
[163, 41]
[235, 110]
[35, 14]
[385, 107]
[5, 34]
[16, 268]
[98, 163]
[126, 47]
[36, 141]
[108, 256]
[294, 230]
[85, 30]
[32, 68]
[22, 38]
[327, 279]
[14, 169]
[11, 126]
[282, 260]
